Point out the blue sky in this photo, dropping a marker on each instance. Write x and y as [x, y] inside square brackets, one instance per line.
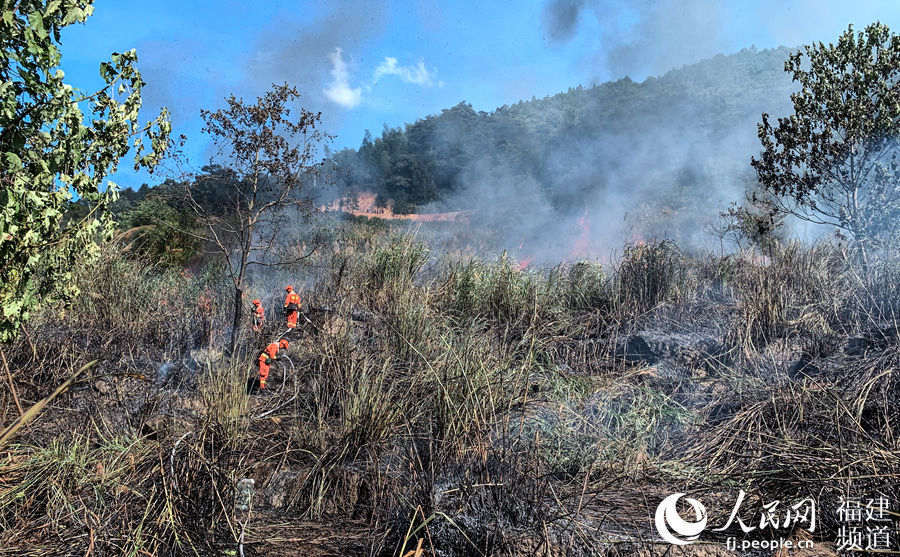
[366, 64]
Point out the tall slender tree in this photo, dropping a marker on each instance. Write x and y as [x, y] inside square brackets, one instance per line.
[269, 151]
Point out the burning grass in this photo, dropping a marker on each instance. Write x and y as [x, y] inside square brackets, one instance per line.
[466, 405]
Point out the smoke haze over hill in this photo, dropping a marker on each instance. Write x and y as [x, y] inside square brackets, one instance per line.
[627, 160]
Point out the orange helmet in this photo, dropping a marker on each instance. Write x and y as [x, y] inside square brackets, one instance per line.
[256, 302]
[283, 344]
[289, 289]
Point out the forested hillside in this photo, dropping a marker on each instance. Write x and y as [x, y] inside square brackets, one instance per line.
[690, 127]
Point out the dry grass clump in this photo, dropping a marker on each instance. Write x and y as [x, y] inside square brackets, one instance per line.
[649, 274]
[798, 291]
[133, 302]
[829, 428]
[124, 495]
[824, 437]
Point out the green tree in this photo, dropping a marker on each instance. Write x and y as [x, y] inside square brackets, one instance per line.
[52, 152]
[834, 160]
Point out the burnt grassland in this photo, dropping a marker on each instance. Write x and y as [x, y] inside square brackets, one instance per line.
[462, 402]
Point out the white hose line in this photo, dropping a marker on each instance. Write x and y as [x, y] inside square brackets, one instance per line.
[279, 407]
[283, 382]
[284, 375]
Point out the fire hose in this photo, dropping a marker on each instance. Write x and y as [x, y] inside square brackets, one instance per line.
[284, 375]
[288, 401]
[310, 322]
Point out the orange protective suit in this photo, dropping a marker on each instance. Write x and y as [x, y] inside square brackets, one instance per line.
[264, 364]
[291, 307]
[259, 316]
[266, 358]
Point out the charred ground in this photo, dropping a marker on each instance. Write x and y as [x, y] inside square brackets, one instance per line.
[482, 408]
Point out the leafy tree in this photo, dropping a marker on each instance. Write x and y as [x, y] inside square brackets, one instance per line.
[52, 152]
[834, 161]
[156, 228]
[268, 152]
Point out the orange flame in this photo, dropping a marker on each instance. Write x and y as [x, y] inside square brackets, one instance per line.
[525, 262]
[581, 247]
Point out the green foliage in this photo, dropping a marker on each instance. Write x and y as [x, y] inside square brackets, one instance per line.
[758, 222]
[587, 287]
[211, 189]
[51, 152]
[156, 230]
[497, 291]
[160, 224]
[638, 421]
[835, 160]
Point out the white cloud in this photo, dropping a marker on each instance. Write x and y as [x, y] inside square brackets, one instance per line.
[417, 75]
[340, 91]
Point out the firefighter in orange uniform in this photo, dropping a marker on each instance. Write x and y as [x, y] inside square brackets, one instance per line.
[266, 357]
[259, 316]
[291, 307]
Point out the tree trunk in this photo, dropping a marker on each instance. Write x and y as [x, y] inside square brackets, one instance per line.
[247, 235]
[238, 317]
[860, 235]
[860, 241]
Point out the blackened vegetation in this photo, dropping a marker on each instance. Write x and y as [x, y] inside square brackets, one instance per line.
[479, 407]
